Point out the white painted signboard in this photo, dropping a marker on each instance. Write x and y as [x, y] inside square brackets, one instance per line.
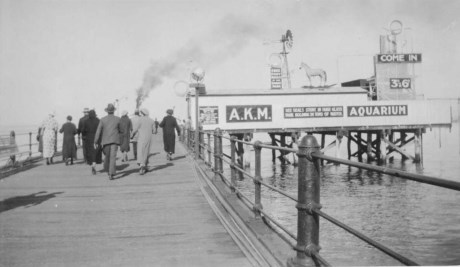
[314, 109]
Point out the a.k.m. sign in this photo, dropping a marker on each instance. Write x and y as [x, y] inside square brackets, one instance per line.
[249, 113]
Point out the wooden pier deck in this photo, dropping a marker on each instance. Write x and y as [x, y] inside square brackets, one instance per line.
[61, 215]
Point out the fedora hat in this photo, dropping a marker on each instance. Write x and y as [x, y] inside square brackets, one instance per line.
[110, 108]
[170, 111]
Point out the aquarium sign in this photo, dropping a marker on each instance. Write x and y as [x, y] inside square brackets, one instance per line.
[399, 58]
[374, 111]
[249, 113]
[209, 115]
[400, 83]
[313, 112]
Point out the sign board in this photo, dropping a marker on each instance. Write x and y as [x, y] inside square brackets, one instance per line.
[276, 78]
[399, 58]
[313, 112]
[209, 115]
[377, 110]
[400, 83]
[249, 113]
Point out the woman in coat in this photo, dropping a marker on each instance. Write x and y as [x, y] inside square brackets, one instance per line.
[169, 123]
[145, 128]
[48, 131]
[69, 147]
[126, 128]
[93, 154]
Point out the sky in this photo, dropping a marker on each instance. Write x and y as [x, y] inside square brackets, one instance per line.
[64, 55]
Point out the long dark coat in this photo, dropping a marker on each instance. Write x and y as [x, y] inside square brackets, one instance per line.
[69, 148]
[89, 130]
[126, 128]
[168, 124]
[40, 140]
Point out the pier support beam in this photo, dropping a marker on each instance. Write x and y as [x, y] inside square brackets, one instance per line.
[369, 147]
[403, 136]
[360, 153]
[349, 144]
[338, 143]
[418, 145]
[272, 137]
[383, 146]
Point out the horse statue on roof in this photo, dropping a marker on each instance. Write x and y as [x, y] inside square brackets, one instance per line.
[310, 72]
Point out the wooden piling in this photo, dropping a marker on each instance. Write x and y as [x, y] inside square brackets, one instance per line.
[418, 145]
[369, 146]
[360, 154]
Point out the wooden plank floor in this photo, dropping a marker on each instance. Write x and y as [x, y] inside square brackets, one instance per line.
[61, 215]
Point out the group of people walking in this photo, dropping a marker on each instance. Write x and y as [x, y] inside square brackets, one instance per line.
[106, 135]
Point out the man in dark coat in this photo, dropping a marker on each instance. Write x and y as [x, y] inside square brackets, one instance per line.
[94, 154]
[69, 148]
[169, 123]
[108, 132]
[79, 132]
[127, 127]
[135, 123]
[156, 126]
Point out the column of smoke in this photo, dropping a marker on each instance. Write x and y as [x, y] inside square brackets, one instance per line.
[226, 39]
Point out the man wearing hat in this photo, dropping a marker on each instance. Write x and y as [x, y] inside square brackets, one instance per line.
[108, 131]
[81, 122]
[135, 123]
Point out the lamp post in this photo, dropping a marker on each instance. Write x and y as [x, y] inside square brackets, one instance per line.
[197, 75]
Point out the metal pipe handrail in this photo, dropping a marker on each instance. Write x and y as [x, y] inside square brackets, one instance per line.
[264, 145]
[397, 173]
[267, 185]
[274, 221]
[361, 236]
[270, 218]
[17, 134]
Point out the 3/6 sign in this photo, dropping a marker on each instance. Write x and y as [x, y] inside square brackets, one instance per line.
[400, 83]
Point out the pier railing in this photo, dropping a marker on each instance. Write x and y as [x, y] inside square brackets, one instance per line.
[18, 149]
[306, 241]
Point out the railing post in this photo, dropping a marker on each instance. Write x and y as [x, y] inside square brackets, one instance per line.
[257, 179]
[233, 162]
[30, 144]
[187, 130]
[197, 143]
[217, 153]
[200, 143]
[192, 140]
[189, 141]
[209, 149]
[308, 200]
[55, 141]
[13, 142]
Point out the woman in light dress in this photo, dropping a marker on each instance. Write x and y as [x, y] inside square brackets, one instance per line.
[145, 128]
[48, 131]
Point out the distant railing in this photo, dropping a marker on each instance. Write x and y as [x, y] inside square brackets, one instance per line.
[22, 148]
[306, 241]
